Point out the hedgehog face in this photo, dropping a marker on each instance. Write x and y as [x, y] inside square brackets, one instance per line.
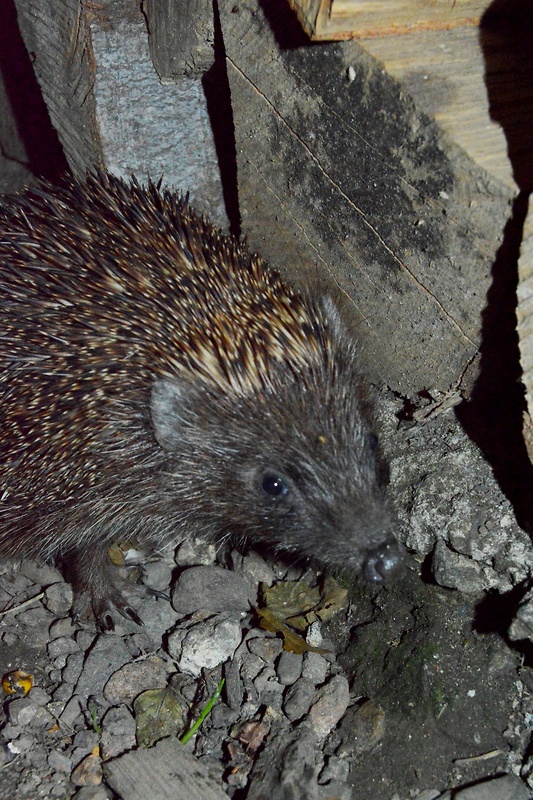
[274, 470]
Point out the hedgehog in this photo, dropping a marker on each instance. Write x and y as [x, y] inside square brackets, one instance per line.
[160, 381]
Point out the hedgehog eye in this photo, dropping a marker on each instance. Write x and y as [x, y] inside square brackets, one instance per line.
[273, 485]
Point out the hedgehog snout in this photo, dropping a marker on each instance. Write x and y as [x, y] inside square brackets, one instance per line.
[381, 562]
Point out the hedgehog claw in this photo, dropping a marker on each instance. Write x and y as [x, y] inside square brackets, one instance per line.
[107, 622]
[130, 613]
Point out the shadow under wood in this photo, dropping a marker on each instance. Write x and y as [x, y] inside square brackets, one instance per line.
[218, 98]
[506, 39]
[44, 154]
[493, 416]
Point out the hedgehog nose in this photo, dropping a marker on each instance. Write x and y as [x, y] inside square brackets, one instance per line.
[382, 561]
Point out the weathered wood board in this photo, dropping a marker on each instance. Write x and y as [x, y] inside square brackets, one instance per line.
[349, 176]
[180, 37]
[444, 72]
[60, 46]
[343, 19]
[108, 104]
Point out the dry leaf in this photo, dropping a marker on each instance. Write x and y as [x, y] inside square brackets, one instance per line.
[158, 713]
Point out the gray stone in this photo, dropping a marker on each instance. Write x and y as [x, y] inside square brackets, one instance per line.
[314, 668]
[206, 645]
[118, 732]
[522, 625]
[298, 699]
[58, 598]
[456, 571]
[505, 787]
[289, 667]
[330, 705]
[210, 589]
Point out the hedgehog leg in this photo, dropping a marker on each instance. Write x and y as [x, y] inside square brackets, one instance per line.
[96, 583]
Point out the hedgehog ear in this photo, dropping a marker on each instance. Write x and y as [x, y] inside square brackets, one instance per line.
[170, 409]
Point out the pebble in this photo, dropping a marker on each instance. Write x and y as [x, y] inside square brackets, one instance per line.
[62, 646]
[257, 570]
[60, 762]
[298, 699]
[330, 705]
[314, 668]
[455, 570]
[267, 648]
[210, 589]
[135, 677]
[195, 552]
[58, 598]
[206, 645]
[25, 713]
[118, 732]
[71, 712]
[289, 667]
[107, 654]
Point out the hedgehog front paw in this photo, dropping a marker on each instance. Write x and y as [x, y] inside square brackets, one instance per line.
[100, 590]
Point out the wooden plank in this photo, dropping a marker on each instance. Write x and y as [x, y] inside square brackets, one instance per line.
[166, 772]
[147, 128]
[444, 72]
[344, 19]
[60, 45]
[346, 178]
[180, 35]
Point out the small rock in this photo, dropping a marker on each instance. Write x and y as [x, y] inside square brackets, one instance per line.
[136, 677]
[72, 669]
[314, 668]
[266, 647]
[314, 636]
[20, 744]
[505, 787]
[62, 646]
[210, 589]
[207, 644]
[60, 762]
[71, 712]
[330, 706]
[362, 728]
[40, 572]
[298, 699]
[62, 627]
[107, 654]
[118, 732]
[157, 574]
[456, 571]
[58, 598]
[289, 667]
[256, 570]
[27, 714]
[522, 625]
[89, 771]
[336, 769]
